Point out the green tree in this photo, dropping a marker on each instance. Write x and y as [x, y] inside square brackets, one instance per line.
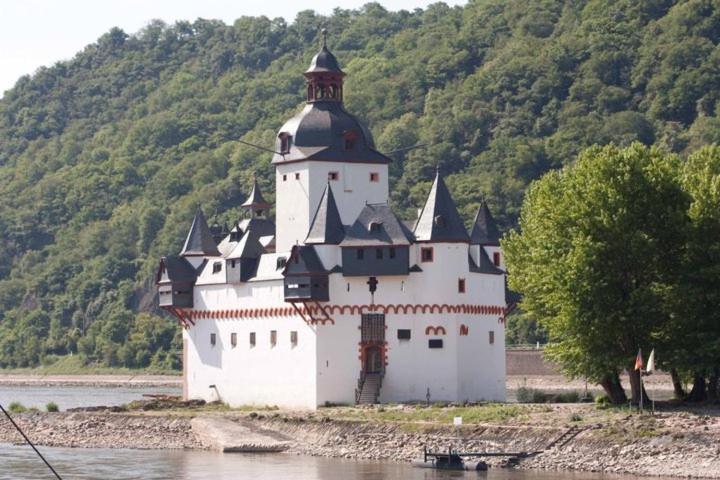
[599, 246]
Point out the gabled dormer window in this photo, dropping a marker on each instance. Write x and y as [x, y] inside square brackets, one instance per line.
[375, 227]
[285, 142]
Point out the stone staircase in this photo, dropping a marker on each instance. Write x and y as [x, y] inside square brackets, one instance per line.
[370, 389]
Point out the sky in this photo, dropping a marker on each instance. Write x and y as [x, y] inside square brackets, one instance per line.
[35, 33]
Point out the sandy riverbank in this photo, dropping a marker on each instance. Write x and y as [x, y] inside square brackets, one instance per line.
[673, 442]
[91, 380]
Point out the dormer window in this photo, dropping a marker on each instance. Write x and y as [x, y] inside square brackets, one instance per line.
[375, 227]
[285, 142]
[349, 139]
[280, 263]
[440, 221]
[217, 267]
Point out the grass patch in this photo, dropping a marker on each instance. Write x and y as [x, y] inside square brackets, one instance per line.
[52, 407]
[77, 365]
[17, 407]
[533, 395]
[492, 412]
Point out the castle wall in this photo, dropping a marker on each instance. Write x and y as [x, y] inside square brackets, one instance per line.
[297, 199]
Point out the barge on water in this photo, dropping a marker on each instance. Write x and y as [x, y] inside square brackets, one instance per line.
[453, 460]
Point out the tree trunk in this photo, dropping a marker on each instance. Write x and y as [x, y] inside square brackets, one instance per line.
[635, 387]
[712, 394]
[613, 389]
[678, 388]
[699, 390]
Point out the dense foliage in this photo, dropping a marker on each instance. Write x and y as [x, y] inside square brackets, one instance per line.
[621, 252]
[104, 158]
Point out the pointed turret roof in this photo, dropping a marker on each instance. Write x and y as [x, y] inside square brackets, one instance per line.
[484, 230]
[199, 241]
[439, 219]
[326, 227]
[255, 200]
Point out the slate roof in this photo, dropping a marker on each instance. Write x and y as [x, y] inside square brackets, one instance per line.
[484, 230]
[199, 241]
[249, 246]
[178, 269]
[318, 133]
[304, 260]
[486, 265]
[260, 225]
[439, 220]
[326, 227]
[324, 62]
[377, 224]
[255, 200]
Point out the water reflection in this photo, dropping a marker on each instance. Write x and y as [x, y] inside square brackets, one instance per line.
[19, 462]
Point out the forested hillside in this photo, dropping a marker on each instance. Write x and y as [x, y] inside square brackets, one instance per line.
[104, 158]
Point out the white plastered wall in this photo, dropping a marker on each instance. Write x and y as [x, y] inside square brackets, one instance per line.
[297, 198]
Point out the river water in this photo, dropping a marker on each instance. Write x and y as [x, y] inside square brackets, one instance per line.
[21, 463]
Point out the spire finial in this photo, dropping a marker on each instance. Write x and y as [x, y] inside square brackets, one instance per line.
[437, 169]
[324, 34]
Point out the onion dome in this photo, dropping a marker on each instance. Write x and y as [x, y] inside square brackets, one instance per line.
[324, 130]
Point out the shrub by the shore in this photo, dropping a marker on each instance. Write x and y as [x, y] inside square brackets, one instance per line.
[52, 407]
[17, 407]
[533, 395]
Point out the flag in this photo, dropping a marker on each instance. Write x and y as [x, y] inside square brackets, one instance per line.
[639, 360]
[651, 362]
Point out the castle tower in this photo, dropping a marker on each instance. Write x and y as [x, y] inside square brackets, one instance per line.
[324, 143]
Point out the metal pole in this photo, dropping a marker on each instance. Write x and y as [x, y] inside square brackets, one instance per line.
[641, 390]
[30, 443]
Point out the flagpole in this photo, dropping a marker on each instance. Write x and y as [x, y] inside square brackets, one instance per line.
[641, 390]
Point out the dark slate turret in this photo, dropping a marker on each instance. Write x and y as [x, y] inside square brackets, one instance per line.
[175, 279]
[439, 220]
[200, 242]
[484, 230]
[305, 276]
[255, 201]
[326, 227]
[324, 130]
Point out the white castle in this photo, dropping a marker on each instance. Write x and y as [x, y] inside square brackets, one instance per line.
[338, 301]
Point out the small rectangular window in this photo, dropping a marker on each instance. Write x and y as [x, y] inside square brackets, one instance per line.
[273, 338]
[391, 252]
[252, 339]
[217, 267]
[491, 337]
[496, 259]
[403, 334]
[435, 343]
[360, 254]
[285, 142]
[293, 339]
[461, 285]
[284, 177]
[232, 263]
[333, 176]
[374, 177]
[297, 176]
[213, 339]
[426, 254]
[233, 340]
[379, 253]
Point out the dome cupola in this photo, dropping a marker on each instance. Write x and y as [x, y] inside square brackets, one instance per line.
[324, 77]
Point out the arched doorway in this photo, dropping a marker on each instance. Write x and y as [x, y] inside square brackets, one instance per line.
[373, 360]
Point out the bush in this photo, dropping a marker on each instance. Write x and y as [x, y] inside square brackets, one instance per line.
[52, 407]
[17, 407]
[575, 417]
[602, 401]
[566, 397]
[531, 395]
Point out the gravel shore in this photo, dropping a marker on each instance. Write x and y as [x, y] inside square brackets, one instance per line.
[673, 443]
